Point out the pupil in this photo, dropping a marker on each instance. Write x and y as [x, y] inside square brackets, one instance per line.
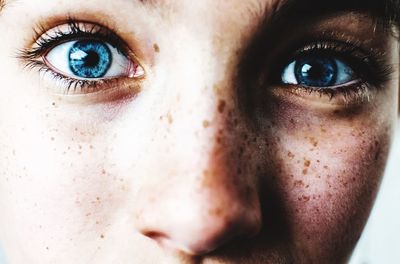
[89, 59]
[317, 72]
[92, 59]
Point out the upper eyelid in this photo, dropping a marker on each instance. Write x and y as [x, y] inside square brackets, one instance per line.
[46, 39]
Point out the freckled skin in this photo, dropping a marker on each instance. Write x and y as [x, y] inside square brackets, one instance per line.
[201, 165]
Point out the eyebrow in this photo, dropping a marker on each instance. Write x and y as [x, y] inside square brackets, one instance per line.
[386, 12]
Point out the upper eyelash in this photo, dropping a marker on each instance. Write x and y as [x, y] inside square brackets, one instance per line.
[75, 30]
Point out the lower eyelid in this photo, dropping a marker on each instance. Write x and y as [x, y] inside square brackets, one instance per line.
[354, 93]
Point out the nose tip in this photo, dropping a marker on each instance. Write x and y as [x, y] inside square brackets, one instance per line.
[204, 232]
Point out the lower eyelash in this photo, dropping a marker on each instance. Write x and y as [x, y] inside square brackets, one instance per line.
[352, 93]
[66, 84]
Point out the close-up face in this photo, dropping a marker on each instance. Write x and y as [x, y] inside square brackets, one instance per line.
[178, 131]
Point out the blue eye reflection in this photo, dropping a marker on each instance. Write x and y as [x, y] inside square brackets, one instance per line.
[89, 59]
[318, 71]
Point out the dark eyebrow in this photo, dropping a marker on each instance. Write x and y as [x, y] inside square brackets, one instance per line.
[386, 12]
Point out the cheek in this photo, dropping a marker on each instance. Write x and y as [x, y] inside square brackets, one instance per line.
[56, 181]
[329, 173]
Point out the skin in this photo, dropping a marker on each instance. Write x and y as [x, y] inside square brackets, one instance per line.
[178, 167]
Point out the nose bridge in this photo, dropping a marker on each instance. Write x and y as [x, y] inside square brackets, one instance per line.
[200, 112]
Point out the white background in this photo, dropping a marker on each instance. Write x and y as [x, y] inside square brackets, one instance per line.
[380, 242]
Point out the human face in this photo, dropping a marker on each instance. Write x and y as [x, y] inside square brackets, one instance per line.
[209, 143]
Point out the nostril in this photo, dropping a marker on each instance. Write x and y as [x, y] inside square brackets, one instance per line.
[153, 235]
[161, 239]
[156, 236]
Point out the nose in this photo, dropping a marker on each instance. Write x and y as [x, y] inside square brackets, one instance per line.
[205, 195]
[196, 221]
[198, 189]
[197, 225]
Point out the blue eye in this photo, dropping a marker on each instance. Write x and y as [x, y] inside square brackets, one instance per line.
[91, 59]
[318, 71]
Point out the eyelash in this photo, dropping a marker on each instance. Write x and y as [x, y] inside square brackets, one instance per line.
[74, 30]
[371, 70]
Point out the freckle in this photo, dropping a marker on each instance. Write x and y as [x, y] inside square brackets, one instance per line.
[305, 171]
[216, 211]
[53, 104]
[290, 155]
[170, 118]
[221, 106]
[313, 141]
[102, 236]
[156, 48]
[318, 161]
[98, 198]
[206, 123]
[307, 163]
[47, 248]
[91, 147]
[298, 184]
[326, 167]
[103, 171]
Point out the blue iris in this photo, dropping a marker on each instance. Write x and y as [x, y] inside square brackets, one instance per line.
[316, 71]
[89, 59]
